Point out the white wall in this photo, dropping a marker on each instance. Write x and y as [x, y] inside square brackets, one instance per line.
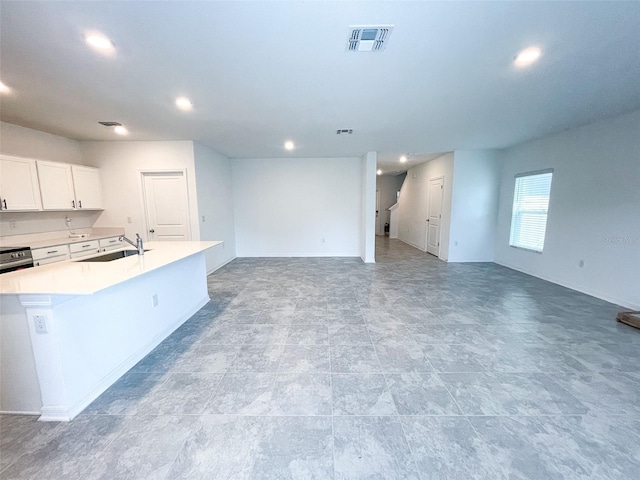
[215, 204]
[388, 186]
[121, 163]
[368, 208]
[286, 207]
[25, 142]
[474, 205]
[594, 210]
[413, 203]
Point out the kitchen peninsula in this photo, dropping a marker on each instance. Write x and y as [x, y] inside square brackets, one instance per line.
[69, 330]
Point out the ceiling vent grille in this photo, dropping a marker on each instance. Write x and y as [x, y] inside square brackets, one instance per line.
[368, 38]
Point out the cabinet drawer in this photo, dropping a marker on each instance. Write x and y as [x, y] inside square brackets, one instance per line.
[50, 252]
[84, 248]
[48, 260]
[110, 243]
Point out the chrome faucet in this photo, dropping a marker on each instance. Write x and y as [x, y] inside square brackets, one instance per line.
[138, 243]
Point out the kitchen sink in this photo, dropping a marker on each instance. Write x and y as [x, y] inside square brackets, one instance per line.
[109, 257]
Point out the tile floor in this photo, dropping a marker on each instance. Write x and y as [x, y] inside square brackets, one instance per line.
[411, 368]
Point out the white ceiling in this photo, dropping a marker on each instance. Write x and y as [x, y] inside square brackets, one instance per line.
[260, 73]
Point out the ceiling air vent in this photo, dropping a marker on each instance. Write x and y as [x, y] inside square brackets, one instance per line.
[348, 131]
[368, 38]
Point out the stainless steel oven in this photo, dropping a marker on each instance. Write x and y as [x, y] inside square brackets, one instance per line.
[15, 258]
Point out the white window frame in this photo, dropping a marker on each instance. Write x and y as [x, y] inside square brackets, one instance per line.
[529, 215]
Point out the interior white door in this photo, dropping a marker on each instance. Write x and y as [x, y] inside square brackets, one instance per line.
[166, 206]
[436, 191]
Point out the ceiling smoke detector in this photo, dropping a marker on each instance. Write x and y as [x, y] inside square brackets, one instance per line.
[348, 131]
[367, 38]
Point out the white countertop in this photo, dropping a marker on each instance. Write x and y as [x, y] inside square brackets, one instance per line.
[52, 239]
[85, 278]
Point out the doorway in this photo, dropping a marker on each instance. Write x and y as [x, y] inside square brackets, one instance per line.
[436, 191]
[166, 205]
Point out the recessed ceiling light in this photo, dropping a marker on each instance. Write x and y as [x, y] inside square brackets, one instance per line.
[288, 145]
[4, 88]
[527, 56]
[403, 159]
[99, 42]
[379, 172]
[120, 130]
[183, 103]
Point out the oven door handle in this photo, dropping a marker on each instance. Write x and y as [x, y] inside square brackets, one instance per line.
[23, 262]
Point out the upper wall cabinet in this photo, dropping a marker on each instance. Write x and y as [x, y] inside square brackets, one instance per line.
[87, 186]
[69, 187]
[18, 184]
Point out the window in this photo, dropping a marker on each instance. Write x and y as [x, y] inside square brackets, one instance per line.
[530, 206]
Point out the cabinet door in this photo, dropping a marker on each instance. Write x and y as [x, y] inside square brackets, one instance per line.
[18, 184]
[87, 186]
[56, 185]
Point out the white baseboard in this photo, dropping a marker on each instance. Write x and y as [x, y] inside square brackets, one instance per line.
[218, 267]
[12, 412]
[578, 288]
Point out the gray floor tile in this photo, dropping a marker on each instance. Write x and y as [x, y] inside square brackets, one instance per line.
[257, 358]
[354, 359]
[361, 394]
[125, 396]
[205, 359]
[398, 357]
[301, 394]
[308, 335]
[144, 448]
[242, 393]
[219, 446]
[305, 359]
[295, 448]
[448, 448]
[371, 447]
[421, 394]
[349, 334]
[69, 452]
[180, 394]
[525, 449]
[480, 394]
[267, 334]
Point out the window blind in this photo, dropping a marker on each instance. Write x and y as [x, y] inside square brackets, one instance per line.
[530, 207]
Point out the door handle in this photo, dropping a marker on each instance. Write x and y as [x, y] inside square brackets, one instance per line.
[152, 231]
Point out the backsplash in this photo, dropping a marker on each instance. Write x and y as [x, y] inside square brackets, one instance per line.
[22, 223]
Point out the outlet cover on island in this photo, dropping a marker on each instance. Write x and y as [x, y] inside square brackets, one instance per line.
[40, 324]
[155, 299]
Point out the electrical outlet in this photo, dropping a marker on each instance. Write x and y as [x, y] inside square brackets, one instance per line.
[40, 323]
[581, 263]
[129, 220]
[154, 299]
[203, 220]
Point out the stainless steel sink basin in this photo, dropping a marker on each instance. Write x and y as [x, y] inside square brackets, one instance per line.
[109, 257]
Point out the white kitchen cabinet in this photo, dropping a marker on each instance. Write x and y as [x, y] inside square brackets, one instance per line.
[69, 187]
[47, 255]
[87, 187]
[19, 190]
[56, 185]
[82, 249]
[111, 243]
